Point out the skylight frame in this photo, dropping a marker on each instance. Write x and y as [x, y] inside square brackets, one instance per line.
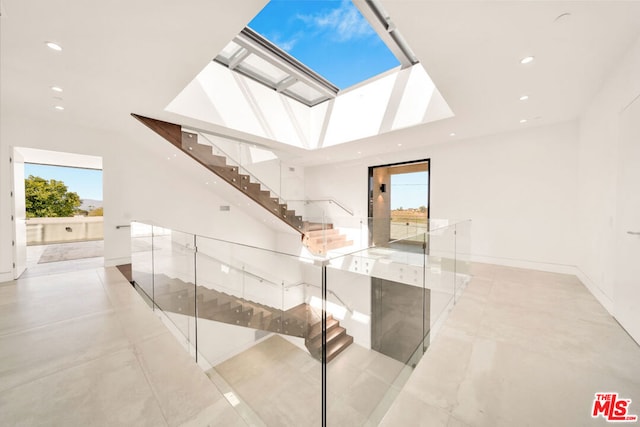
[252, 43]
[380, 21]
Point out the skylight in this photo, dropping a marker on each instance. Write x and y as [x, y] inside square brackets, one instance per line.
[311, 49]
[251, 84]
[254, 56]
[330, 37]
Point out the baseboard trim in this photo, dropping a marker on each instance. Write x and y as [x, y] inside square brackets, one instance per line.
[595, 290]
[531, 265]
[6, 276]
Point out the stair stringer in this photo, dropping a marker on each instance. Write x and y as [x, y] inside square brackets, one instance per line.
[249, 185]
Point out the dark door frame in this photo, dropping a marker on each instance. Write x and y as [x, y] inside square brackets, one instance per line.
[370, 189]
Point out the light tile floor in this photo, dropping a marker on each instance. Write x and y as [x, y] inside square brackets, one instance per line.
[34, 255]
[82, 348]
[282, 384]
[521, 348]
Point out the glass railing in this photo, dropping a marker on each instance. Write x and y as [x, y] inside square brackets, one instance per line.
[334, 339]
[264, 176]
[261, 165]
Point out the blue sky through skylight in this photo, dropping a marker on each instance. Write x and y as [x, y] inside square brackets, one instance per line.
[331, 37]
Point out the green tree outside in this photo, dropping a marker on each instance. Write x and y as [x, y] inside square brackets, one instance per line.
[49, 198]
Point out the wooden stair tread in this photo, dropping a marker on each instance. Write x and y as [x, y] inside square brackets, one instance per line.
[331, 238]
[322, 233]
[333, 336]
[340, 345]
[316, 330]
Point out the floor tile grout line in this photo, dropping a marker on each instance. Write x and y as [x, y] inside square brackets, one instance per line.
[146, 374]
[70, 367]
[57, 322]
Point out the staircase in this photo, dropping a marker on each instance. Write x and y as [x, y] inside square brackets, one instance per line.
[319, 238]
[176, 296]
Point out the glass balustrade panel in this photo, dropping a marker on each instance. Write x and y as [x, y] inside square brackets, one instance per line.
[463, 255]
[142, 259]
[378, 306]
[254, 317]
[174, 278]
[440, 276]
[254, 326]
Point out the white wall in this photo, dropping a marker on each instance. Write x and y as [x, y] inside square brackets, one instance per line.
[597, 176]
[144, 178]
[519, 188]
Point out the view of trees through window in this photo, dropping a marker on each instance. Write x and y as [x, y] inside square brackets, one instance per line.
[56, 191]
[63, 205]
[49, 198]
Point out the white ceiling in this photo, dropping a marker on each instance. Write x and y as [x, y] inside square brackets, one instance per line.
[125, 56]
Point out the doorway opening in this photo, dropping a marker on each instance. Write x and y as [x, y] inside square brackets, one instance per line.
[58, 211]
[398, 202]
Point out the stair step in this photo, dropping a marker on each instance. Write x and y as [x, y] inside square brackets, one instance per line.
[316, 330]
[252, 189]
[333, 335]
[322, 249]
[338, 347]
[321, 233]
[182, 297]
[299, 311]
[331, 238]
[314, 226]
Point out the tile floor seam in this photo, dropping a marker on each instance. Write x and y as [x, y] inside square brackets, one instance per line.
[550, 356]
[147, 378]
[57, 322]
[66, 368]
[455, 404]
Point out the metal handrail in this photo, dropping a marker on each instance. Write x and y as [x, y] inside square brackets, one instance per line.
[340, 205]
[248, 273]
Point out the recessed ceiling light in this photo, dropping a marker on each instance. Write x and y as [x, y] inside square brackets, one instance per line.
[452, 134]
[56, 88]
[54, 46]
[359, 152]
[399, 145]
[524, 97]
[59, 107]
[523, 121]
[527, 60]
